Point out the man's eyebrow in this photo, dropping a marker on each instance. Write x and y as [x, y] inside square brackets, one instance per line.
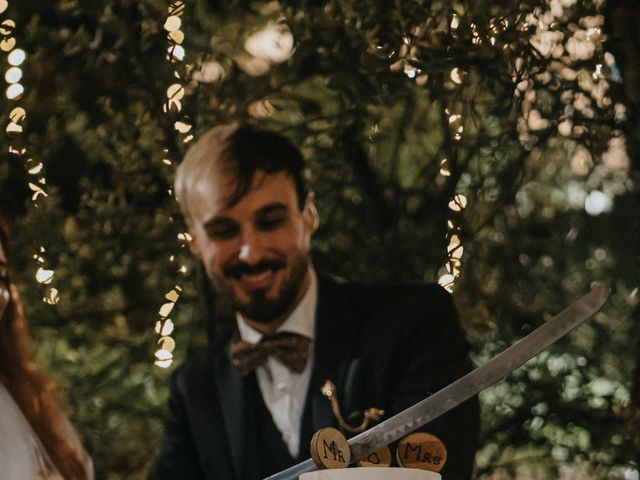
[272, 207]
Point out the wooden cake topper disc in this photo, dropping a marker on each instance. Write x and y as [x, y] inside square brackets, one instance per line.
[380, 458]
[421, 450]
[329, 449]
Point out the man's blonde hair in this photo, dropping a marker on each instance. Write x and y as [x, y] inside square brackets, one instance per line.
[203, 159]
[241, 150]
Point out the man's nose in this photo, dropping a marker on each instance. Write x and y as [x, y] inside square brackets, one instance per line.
[250, 248]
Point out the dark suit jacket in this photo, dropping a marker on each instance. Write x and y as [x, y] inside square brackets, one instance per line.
[384, 347]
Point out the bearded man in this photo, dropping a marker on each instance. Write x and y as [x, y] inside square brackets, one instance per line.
[247, 406]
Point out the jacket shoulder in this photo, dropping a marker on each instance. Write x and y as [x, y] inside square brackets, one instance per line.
[198, 365]
[393, 294]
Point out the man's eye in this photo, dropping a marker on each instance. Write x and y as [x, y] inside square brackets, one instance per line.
[221, 232]
[270, 223]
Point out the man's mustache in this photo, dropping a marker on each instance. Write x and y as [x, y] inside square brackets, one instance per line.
[240, 268]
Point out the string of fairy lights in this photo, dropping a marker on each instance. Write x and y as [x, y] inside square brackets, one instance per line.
[172, 106]
[450, 271]
[17, 116]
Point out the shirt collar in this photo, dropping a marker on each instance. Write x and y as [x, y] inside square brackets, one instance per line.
[302, 320]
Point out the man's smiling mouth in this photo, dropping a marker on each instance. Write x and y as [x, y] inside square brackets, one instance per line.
[255, 277]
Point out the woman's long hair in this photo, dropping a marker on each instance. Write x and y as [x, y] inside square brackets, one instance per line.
[32, 390]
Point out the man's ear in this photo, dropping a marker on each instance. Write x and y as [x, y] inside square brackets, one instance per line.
[195, 250]
[193, 246]
[310, 213]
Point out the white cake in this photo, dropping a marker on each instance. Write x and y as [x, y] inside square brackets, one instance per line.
[371, 473]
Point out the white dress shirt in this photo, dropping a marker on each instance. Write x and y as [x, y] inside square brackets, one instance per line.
[284, 392]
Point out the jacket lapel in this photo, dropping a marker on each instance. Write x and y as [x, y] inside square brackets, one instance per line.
[334, 350]
[232, 395]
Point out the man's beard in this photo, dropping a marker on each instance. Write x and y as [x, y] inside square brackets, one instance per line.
[259, 308]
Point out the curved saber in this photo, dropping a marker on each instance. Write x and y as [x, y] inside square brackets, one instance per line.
[468, 385]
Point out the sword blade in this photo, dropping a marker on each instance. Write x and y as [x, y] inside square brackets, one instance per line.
[468, 385]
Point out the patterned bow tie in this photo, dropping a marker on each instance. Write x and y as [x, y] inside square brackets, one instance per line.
[291, 349]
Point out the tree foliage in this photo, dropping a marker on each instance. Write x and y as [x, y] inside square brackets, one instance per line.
[473, 142]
